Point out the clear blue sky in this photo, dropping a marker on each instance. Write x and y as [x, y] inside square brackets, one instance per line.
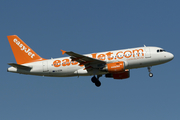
[85, 27]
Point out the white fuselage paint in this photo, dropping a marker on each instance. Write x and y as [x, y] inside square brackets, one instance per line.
[147, 56]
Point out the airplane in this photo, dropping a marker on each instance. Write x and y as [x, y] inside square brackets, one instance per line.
[113, 64]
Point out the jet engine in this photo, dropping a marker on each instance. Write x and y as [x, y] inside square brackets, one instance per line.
[115, 67]
[122, 75]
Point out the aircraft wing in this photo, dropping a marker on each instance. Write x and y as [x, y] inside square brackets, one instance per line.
[82, 59]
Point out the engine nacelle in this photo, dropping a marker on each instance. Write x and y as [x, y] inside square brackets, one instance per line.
[115, 67]
[122, 75]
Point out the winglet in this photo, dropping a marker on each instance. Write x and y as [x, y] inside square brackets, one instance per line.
[63, 51]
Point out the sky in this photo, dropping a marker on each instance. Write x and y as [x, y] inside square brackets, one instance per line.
[86, 27]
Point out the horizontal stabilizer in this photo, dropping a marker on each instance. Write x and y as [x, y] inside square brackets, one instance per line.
[20, 66]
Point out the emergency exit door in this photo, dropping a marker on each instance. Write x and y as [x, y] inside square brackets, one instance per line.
[45, 66]
[148, 52]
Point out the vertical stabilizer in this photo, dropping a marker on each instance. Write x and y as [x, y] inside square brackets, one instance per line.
[22, 52]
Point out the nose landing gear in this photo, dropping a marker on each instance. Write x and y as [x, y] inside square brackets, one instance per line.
[96, 80]
[150, 74]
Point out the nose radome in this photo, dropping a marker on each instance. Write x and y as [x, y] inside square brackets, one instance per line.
[170, 56]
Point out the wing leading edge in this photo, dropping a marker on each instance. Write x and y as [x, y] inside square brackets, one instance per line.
[82, 59]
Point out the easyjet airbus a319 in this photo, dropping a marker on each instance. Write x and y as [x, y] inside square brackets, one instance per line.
[113, 64]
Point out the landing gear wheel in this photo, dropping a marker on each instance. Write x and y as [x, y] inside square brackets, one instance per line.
[150, 75]
[98, 83]
[93, 79]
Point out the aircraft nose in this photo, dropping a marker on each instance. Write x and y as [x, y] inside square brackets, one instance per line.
[170, 56]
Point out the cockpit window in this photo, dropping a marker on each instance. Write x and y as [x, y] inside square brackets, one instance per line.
[160, 50]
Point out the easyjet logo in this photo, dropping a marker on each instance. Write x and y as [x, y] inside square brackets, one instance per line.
[136, 53]
[119, 55]
[24, 48]
[65, 62]
[115, 66]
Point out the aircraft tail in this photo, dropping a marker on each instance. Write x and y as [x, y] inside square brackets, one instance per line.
[22, 52]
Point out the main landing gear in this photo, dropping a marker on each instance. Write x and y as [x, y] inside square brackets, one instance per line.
[150, 74]
[96, 80]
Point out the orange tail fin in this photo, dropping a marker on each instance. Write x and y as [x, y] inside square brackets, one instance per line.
[22, 52]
